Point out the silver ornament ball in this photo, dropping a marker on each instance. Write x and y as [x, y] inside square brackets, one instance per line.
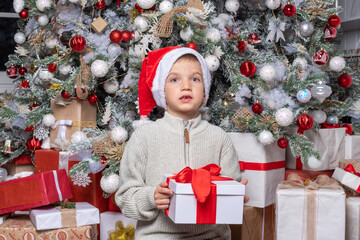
[306, 28]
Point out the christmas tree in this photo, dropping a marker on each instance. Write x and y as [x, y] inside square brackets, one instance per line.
[274, 63]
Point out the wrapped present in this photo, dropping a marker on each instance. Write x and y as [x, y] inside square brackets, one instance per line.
[355, 162]
[258, 223]
[20, 227]
[34, 191]
[56, 217]
[115, 224]
[348, 177]
[204, 197]
[262, 165]
[330, 143]
[352, 150]
[353, 218]
[310, 209]
[13, 169]
[92, 193]
[69, 119]
[99, 24]
[307, 174]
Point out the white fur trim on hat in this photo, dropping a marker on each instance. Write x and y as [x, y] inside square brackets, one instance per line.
[164, 67]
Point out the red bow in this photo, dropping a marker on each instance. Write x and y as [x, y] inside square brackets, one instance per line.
[350, 168]
[330, 125]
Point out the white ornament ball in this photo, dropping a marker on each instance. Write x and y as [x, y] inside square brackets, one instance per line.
[186, 33]
[119, 134]
[272, 4]
[51, 43]
[337, 64]
[213, 35]
[266, 137]
[18, 5]
[110, 184]
[44, 74]
[267, 73]
[314, 163]
[42, 4]
[165, 6]
[141, 24]
[19, 38]
[303, 95]
[284, 117]
[212, 62]
[146, 4]
[319, 116]
[74, 1]
[300, 62]
[65, 69]
[232, 5]
[99, 68]
[78, 137]
[48, 120]
[306, 28]
[111, 86]
[43, 20]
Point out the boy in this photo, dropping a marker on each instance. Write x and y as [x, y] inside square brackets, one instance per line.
[178, 80]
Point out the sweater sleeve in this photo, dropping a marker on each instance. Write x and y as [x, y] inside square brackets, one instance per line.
[135, 199]
[229, 162]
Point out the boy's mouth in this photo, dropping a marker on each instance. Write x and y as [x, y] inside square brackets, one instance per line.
[185, 98]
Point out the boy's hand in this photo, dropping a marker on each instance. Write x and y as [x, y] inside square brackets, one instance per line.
[246, 198]
[162, 196]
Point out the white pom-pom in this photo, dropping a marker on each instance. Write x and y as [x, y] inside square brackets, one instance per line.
[19, 38]
[337, 64]
[18, 5]
[266, 137]
[110, 184]
[119, 134]
[48, 120]
[141, 23]
[51, 43]
[65, 69]
[212, 62]
[314, 163]
[213, 35]
[45, 74]
[300, 62]
[232, 5]
[186, 33]
[43, 20]
[78, 137]
[272, 4]
[99, 68]
[42, 4]
[111, 86]
[165, 6]
[284, 117]
[267, 73]
[146, 4]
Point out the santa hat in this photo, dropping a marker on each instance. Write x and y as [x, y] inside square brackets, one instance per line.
[154, 71]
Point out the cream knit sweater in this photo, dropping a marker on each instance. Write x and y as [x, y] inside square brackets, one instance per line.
[159, 148]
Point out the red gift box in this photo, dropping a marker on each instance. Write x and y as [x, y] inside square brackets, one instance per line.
[46, 160]
[307, 174]
[34, 191]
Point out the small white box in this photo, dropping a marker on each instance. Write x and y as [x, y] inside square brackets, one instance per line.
[51, 217]
[348, 179]
[229, 202]
[353, 218]
[108, 223]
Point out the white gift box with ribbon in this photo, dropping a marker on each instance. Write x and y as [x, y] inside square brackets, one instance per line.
[108, 222]
[348, 179]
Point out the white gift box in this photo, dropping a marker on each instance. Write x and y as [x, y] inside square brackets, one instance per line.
[348, 179]
[353, 218]
[108, 222]
[352, 150]
[52, 218]
[330, 143]
[269, 160]
[292, 218]
[229, 202]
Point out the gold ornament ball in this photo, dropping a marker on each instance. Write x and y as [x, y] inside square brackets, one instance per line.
[33, 68]
[224, 103]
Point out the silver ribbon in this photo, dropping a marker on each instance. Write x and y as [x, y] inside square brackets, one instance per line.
[62, 128]
[276, 28]
[94, 167]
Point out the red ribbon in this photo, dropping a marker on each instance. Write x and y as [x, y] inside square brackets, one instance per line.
[299, 165]
[204, 190]
[261, 166]
[350, 168]
[330, 125]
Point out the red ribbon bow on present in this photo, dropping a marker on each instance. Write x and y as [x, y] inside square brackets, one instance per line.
[331, 125]
[350, 168]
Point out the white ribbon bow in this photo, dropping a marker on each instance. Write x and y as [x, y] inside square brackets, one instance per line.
[62, 128]
[276, 27]
[94, 167]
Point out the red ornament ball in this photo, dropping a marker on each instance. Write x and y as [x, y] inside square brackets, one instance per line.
[289, 10]
[192, 45]
[348, 128]
[330, 33]
[52, 67]
[22, 71]
[345, 80]
[78, 43]
[24, 14]
[92, 98]
[283, 143]
[126, 36]
[24, 84]
[248, 69]
[32, 144]
[100, 5]
[103, 159]
[305, 121]
[65, 94]
[257, 108]
[29, 129]
[241, 46]
[35, 105]
[132, 34]
[321, 57]
[334, 20]
[12, 72]
[115, 36]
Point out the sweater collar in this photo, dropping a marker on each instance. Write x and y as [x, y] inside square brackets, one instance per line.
[176, 124]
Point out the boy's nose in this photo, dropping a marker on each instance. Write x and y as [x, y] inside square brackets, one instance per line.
[186, 85]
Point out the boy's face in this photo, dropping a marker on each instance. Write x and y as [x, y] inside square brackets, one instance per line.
[184, 89]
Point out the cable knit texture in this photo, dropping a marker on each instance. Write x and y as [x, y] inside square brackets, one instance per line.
[159, 148]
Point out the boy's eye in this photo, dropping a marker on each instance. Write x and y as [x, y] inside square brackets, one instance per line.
[196, 79]
[174, 80]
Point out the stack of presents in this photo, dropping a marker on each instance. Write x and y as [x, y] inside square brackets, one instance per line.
[288, 199]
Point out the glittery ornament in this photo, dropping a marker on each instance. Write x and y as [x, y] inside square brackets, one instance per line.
[141, 23]
[52, 67]
[165, 6]
[192, 45]
[126, 36]
[330, 33]
[32, 144]
[110, 184]
[305, 121]
[212, 62]
[303, 95]
[111, 86]
[257, 108]
[43, 20]
[321, 57]
[241, 46]
[266, 137]
[23, 14]
[348, 128]
[213, 35]
[22, 71]
[29, 129]
[146, 4]
[65, 94]
[267, 73]
[119, 134]
[248, 69]
[48, 120]
[100, 5]
[92, 98]
[334, 20]
[232, 5]
[283, 143]
[332, 119]
[115, 36]
[289, 10]
[337, 64]
[345, 80]
[24, 84]
[12, 71]
[300, 62]
[78, 43]
[284, 117]
[99, 68]
[78, 137]
[19, 38]
[42, 4]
